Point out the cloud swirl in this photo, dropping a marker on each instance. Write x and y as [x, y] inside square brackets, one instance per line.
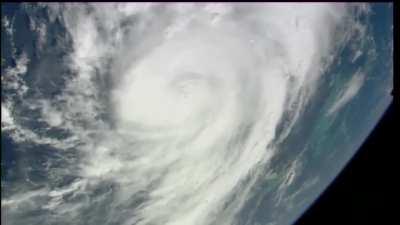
[192, 96]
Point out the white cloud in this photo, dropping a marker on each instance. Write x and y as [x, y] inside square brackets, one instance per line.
[23, 197]
[357, 54]
[197, 93]
[348, 93]
[12, 78]
[41, 29]
[52, 116]
[7, 25]
[7, 121]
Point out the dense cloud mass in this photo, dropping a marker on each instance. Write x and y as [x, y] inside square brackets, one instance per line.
[169, 108]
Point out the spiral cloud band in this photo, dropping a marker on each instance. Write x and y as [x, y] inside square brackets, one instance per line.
[191, 97]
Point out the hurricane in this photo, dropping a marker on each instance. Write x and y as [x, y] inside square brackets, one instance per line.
[170, 113]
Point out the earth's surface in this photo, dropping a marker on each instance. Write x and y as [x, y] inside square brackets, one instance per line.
[184, 114]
